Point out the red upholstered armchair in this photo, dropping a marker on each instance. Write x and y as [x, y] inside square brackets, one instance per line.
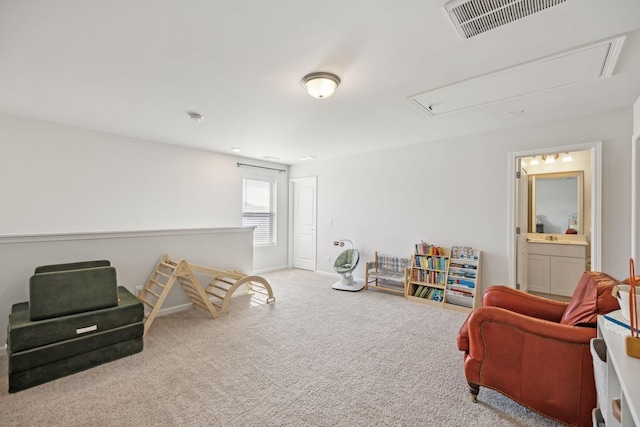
[536, 351]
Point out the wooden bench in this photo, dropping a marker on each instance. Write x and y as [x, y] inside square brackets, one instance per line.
[387, 273]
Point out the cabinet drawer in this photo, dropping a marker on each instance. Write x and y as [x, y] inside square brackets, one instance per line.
[556, 249]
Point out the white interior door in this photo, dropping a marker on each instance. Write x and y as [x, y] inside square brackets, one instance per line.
[304, 223]
[522, 215]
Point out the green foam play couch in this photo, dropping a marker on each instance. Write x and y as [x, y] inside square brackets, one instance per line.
[81, 319]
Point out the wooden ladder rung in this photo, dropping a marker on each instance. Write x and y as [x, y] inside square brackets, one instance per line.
[147, 302]
[218, 287]
[200, 304]
[187, 283]
[168, 264]
[163, 274]
[191, 293]
[215, 305]
[149, 291]
[214, 295]
[155, 282]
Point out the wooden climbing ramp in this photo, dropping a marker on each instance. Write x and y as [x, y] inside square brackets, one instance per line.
[214, 298]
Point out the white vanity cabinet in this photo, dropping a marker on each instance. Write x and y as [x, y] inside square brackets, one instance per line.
[555, 267]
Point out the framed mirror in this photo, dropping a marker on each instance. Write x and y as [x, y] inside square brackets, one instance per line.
[555, 203]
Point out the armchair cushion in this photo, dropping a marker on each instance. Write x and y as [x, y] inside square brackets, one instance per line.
[591, 298]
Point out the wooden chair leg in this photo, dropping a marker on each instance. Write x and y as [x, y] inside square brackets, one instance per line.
[474, 389]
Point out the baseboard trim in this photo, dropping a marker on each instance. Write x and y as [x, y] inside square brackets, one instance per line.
[271, 269]
[175, 309]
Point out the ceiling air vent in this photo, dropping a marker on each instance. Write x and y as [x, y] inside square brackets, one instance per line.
[473, 17]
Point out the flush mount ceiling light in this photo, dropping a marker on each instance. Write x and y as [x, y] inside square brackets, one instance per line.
[320, 85]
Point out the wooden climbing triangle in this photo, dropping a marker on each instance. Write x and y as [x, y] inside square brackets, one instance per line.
[213, 299]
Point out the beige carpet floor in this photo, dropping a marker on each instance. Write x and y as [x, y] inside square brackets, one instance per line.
[315, 357]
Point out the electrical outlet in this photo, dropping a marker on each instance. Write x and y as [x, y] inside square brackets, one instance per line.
[138, 290]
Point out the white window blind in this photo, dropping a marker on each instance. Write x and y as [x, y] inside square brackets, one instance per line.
[258, 208]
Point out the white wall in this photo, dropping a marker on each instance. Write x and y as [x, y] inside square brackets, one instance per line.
[636, 119]
[454, 192]
[60, 179]
[635, 141]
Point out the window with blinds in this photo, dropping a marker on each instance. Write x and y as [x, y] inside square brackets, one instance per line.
[258, 208]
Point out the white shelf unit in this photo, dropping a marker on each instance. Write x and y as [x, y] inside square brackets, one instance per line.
[463, 287]
[622, 373]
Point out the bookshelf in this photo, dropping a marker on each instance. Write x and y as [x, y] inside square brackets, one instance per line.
[427, 277]
[463, 288]
[445, 277]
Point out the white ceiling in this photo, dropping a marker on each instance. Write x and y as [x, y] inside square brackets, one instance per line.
[135, 68]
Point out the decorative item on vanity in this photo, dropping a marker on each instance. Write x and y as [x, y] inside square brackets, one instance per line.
[346, 262]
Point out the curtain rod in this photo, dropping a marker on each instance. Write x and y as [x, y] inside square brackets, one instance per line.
[261, 167]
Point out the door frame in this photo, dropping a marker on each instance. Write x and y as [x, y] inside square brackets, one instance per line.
[635, 198]
[596, 205]
[521, 218]
[291, 245]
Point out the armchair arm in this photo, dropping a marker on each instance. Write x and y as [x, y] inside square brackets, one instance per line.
[536, 327]
[524, 303]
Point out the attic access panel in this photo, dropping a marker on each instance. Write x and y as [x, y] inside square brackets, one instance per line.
[568, 68]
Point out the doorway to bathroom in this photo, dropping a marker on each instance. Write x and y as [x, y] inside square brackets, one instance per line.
[571, 224]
